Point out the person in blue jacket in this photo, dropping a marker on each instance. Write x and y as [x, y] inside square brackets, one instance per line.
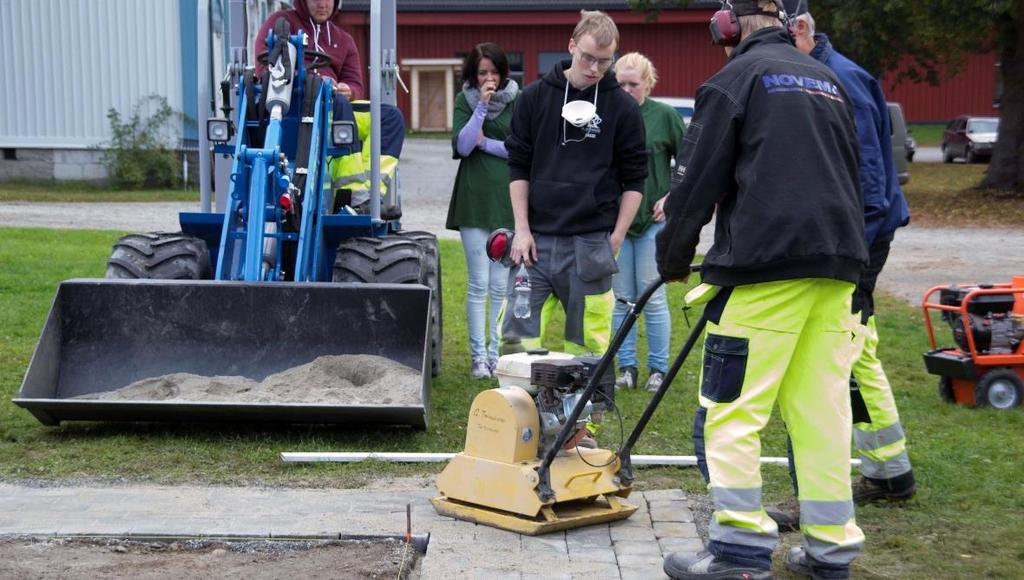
[886, 472]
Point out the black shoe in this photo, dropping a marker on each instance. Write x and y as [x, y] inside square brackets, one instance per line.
[704, 565]
[786, 515]
[898, 489]
[798, 562]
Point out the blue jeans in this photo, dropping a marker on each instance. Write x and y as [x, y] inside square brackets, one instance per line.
[637, 271]
[485, 278]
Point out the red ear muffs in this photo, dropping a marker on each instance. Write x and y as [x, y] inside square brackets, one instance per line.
[499, 246]
[725, 28]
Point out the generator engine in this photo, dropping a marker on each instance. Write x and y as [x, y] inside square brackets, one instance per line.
[993, 325]
[559, 387]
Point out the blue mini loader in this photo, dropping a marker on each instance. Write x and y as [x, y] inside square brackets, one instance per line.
[286, 274]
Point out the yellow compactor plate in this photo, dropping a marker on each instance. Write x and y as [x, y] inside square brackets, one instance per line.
[562, 516]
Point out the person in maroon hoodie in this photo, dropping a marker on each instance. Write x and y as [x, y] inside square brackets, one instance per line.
[318, 20]
[315, 18]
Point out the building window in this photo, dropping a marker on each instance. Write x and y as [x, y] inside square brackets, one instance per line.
[10, 154]
[547, 60]
[515, 67]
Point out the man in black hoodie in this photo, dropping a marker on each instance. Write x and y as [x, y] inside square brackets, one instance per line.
[577, 161]
[773, 149]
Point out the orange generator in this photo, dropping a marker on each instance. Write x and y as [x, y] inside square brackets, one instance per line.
[986, 367]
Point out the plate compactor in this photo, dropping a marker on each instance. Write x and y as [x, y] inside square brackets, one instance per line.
[986, 367]
[527, 466]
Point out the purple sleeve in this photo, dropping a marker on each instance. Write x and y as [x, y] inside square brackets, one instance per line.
[471, 132]
[495, 147]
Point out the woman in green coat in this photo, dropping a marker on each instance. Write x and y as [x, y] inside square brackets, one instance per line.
[480, 199]
[664, 130]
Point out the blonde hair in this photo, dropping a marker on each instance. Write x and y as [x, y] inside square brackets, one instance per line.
[641, 64]
[754, 22]
[599, 26]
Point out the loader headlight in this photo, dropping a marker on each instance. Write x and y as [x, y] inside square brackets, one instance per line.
[218, 130]
[343, 133]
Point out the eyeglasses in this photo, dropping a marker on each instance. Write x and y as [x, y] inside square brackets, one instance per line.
[590, 60]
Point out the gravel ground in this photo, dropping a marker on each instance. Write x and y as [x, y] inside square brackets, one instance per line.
[920, 258]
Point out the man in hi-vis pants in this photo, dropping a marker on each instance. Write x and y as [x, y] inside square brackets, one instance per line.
[772, 147]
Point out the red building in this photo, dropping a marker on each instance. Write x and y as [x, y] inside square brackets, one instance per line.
[433, 35]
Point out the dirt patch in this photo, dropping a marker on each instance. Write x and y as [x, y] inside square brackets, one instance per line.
[332, 379]
[98, 560]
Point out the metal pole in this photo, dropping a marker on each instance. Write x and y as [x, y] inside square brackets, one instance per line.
[203, 78]
[375, 95]
[394, 457]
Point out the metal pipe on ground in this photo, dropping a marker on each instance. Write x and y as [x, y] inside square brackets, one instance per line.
[356, 456]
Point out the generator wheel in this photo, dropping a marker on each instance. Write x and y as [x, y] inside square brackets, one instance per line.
[433, 267]
[1000, 389]
[946, 390]
[160, 256]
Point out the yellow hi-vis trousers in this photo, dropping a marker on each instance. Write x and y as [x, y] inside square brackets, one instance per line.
[790, 342]
[880, 443]
[352, 172]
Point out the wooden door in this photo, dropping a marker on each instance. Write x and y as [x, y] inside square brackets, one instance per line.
[432, 101]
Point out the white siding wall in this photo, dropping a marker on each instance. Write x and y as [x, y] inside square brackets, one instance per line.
[68, 61]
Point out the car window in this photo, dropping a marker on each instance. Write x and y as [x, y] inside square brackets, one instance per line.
[982, 126]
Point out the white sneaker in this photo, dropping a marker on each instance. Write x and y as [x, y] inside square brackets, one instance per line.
[480, 369]
[627, 378]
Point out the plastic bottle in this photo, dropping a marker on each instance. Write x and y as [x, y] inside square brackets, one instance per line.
[521, 289]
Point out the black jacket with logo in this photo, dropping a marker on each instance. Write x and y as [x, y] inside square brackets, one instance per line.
[772, 144]
[576, 175]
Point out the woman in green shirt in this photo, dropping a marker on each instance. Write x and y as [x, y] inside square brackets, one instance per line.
[480, 199]
[664, 130]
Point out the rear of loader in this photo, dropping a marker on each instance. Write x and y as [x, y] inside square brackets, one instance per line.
[287, 307]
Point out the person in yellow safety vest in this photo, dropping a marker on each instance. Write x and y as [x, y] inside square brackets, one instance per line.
[351, 173]
[789, 249]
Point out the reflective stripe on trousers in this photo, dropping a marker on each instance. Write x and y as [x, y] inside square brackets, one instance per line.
[789, 342]
[880, 443]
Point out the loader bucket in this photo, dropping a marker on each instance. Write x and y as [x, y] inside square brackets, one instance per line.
[102, 335]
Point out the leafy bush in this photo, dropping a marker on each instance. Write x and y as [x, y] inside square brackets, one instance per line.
[138, 154]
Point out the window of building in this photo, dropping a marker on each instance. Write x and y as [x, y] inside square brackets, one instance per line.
[547, 60]
[515, 67]
[10, 154]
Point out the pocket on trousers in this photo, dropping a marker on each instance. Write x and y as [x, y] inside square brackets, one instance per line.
[594, 258]
[725, 364]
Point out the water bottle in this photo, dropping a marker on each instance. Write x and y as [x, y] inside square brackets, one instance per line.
[521, 289]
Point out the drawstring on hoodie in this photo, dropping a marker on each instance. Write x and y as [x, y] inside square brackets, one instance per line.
[316, 35]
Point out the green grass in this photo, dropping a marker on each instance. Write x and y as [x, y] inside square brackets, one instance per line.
[964, 523]
[948, 194]
[927, 134]
[77, 191]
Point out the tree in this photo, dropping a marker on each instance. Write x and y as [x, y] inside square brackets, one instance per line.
[922, 41]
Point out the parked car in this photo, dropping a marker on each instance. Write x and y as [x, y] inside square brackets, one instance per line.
[969, 137]
[902, 144]
[682, 105]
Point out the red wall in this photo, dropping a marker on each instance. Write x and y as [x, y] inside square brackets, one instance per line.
[678, 44]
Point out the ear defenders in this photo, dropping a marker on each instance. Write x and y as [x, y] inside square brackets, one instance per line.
[725, 27]
[725, 24]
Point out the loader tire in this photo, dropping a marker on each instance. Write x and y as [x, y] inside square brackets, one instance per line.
[390, 259]
[433, 267]
[160, 256]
